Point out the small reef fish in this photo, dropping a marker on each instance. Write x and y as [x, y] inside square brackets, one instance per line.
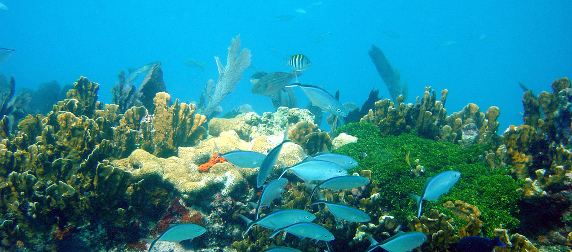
[281, 249]
[343, 160]
[301, 11]
[436, 187]
[299, 62]
[401, 242]
[270, 160]
[322, 99]
[316, 170]
[190, 62]
[272, 83]
[280, 219]
[5, 54]
[243, 159]
[133, 73]
[284, 18]
[339, 183]
[307, 230]
[344, 212]
[179, 233]
[477, 244]
[271, 192]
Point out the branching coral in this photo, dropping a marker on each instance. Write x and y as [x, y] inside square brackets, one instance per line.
[174, 126]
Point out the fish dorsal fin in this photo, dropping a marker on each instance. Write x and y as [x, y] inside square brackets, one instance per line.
[216, 147]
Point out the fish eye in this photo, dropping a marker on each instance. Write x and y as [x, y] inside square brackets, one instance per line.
[339, 110]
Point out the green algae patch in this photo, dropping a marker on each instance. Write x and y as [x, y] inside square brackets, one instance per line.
[493, 191]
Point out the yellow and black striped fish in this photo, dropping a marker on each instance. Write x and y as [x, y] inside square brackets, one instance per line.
[299, 62]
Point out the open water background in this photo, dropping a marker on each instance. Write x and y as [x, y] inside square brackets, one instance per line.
[479, 50]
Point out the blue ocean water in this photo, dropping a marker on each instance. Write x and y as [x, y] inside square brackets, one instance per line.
[478, 50]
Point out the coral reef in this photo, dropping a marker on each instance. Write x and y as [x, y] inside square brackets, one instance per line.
[172, 126]
[428, 118]
[390, 76]
[126, 95]
[214, 160]
[250, 126]
[310, 138]
[11, 107]
[229, 75]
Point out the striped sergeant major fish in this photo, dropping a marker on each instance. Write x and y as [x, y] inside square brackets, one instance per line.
[299, 62]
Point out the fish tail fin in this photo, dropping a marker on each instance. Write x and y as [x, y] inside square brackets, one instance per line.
[249, 224]
[275, 233]
[216, 147]
[285, 139]
[371, 240]
[419, 203]
[283, 173]
[201, 66]
[498, 243]
[314, 188]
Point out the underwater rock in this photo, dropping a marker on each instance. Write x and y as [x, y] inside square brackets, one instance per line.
[250, 126]
[343, 139]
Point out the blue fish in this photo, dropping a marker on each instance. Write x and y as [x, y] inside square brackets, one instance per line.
[477, 244]
[179, 233]
[270, 160]
[280, 219]
[401, 242]
[436, 187]
[339, 183]
[323, 99]
[344, 212]
[342, 160]
[271, 192]
[281, 249]
[243, 159]
[316, 170]
[307, 230]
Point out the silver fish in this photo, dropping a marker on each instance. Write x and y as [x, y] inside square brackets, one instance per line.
[344, 212]
[280, 219]
[3, 7]
[339, 183]
[342, 160]
[316, 170]
[401, 242]
[243, 159]
[299, 62]
[133, 73]
[323, 99]
[436, 187]
[281, 249]
[179, 233]
[5, 54]
[271, 192]
[270, 161]
[307, 230]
